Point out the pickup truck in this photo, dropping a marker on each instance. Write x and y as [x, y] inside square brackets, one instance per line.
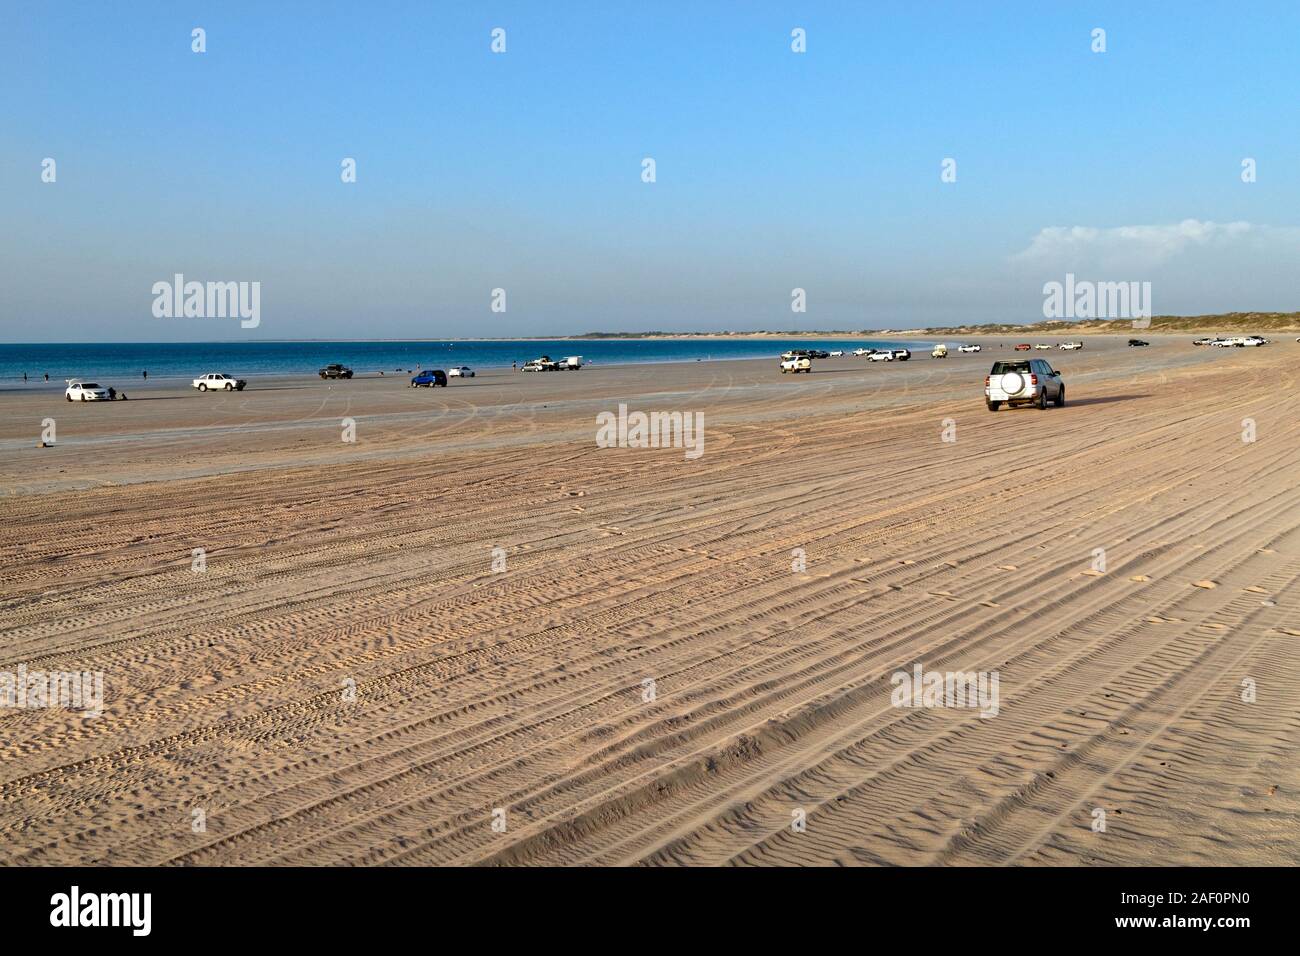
[336, 371]
[1023, 382]
[219, 381]
[797, 364]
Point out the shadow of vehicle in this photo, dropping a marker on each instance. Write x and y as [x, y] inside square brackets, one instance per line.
[1102, 400]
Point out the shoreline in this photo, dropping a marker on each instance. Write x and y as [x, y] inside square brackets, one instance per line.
[1180, 325]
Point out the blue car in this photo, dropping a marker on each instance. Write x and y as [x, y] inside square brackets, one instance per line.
[432, 378]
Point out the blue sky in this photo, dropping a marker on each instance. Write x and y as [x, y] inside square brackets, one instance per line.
[522, 170]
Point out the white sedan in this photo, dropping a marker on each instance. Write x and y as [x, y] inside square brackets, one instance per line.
[968, 348]
[885, 356]
[463, 371]
[85, 392]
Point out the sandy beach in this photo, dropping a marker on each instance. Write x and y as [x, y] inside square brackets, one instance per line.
[472, 636]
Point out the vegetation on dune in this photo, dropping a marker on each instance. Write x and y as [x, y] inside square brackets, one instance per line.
[1226, 322]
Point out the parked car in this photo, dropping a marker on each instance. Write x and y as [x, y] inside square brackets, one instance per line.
[968, 348]
[1136, 343]
[836, 353]
[902, 355]
[430, 378]
[884, 355]
[861, 352]
[219, 381]
[1027, 382]
[570, 364]
[1070, 346]
[1023, 347]
[461, 371]
[796, 364]
[1041, 345]
[939, 351]
[336, 371]
[78, 391]
[1208, 340]
[818, 353]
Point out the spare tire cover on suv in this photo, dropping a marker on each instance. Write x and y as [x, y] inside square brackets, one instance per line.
[1012, 382]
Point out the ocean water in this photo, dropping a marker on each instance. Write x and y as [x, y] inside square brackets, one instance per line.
[124, 363]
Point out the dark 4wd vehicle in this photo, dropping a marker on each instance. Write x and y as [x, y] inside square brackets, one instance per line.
[1136, 343]
[336, 371]
[432, 378]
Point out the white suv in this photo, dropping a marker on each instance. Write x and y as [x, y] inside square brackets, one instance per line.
[1027, 382]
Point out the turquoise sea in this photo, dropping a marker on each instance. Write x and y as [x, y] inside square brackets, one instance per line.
[116, 363]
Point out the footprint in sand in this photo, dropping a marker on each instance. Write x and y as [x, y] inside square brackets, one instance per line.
[1255, 589]
[1204, 584]
[1093, 573]
[1139, 577]
[990, 603]
[1007, 567]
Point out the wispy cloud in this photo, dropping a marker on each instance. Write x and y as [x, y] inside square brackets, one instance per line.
[1140, 246]
[1195, 266]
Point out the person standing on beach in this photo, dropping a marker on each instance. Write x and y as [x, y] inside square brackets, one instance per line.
[514, 366]
[47, 376]
[24, 378]
[145, 373]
